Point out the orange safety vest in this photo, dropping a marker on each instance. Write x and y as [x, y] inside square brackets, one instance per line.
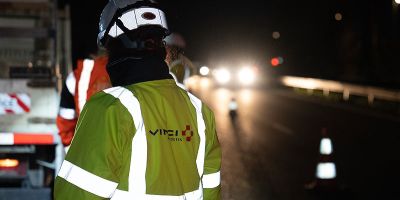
[90, 77]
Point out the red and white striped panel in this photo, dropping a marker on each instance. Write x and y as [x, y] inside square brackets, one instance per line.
[14, 103]
[26, 138]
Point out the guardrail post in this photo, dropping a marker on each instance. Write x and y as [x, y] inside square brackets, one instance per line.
[346, 95]
[326, 92]
[370, 99]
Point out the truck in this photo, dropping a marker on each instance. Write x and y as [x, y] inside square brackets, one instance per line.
[33, 46]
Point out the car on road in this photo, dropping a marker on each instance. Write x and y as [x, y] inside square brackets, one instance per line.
[243, 76]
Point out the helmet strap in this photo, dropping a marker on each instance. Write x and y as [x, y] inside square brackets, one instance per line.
[126, 41]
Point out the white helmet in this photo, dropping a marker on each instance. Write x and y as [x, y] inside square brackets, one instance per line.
[175, 39]
[120, 16]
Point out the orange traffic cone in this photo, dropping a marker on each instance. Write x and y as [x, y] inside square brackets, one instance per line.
[326, 168]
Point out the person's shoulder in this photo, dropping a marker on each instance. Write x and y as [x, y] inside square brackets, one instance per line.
[197, 100]
[207, 110]
[105, 106]
[103, 100]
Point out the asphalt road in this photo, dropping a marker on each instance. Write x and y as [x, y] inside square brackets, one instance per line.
[272, 149]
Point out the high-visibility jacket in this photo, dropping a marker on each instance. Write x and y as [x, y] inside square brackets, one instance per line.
[181, 69]
[149, 140]
[89, 77]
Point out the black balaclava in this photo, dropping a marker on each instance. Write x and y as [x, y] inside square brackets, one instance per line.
[127, 66]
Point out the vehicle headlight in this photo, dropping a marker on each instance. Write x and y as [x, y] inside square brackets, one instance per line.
[204, 71]
[222, 76]
[247, 75]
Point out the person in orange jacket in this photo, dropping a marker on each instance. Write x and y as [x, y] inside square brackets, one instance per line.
[89, 77]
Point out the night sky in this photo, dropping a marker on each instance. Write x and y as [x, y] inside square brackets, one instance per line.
[362, 47]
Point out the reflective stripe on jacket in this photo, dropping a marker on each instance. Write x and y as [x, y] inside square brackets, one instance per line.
[92, 77]
[182, 69]
[150, 140]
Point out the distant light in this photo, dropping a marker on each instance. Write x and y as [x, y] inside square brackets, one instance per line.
[247, 75]
[30, 64]
[222, 75]
[246, 96]
[275, 62]
[276, 35]
[306, 83]
[204, 70]
[8, 163]
[339, 17]
[205, 82]
[397, 1]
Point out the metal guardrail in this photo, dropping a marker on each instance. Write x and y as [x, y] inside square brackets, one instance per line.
[327, 86]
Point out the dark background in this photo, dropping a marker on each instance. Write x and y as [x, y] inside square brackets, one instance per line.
[361, 48]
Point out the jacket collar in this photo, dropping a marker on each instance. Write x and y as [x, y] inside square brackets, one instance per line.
[131, 70]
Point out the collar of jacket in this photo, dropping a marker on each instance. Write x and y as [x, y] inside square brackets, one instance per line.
[131, 70]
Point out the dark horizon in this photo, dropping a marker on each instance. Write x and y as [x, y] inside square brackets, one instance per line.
[361, 48]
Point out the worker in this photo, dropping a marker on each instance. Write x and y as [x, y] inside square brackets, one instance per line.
[144, 138]
[180, 66]
[89, 77]
[233, 106]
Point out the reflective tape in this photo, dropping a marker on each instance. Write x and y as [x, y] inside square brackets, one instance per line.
[142, 18]
[14, 103]
[84, 80]
[23, 101]
[201, 128]
[123, 195]
[66, 149]
[6, 138]
[177, 82]
[157, 20]
[127, 20]
[26, 138]
[70, 82]
[67, 113]
[32, 138]
[186, 76]
[325, 147]
[326, 170]
[86, 180]
[211, 180]
[137, 174]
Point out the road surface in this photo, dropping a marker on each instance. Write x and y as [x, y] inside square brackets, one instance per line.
[272, 149]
